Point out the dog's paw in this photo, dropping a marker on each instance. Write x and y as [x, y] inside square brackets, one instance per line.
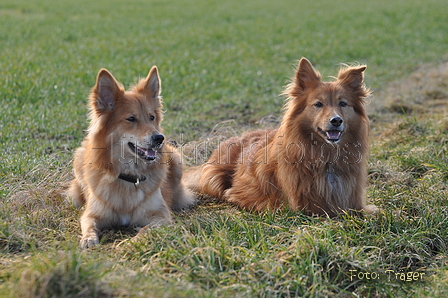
[146, 229]
[89, 241]
[371, 209]
[142, 231]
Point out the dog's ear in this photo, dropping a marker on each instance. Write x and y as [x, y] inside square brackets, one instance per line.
[151, 86]
[105, 92]
[352, 77]
[306, 76]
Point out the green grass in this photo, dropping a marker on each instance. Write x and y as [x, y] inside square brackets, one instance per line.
[223, 61]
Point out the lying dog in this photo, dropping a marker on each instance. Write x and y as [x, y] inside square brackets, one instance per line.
[314, 162]
[125, 173]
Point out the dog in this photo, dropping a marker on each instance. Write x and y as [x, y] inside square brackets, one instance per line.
[125, 172]
[315, 162]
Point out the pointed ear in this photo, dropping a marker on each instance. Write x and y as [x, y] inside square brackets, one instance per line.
[352, 77]
[306, 76]
[151, 86]
[104, 94]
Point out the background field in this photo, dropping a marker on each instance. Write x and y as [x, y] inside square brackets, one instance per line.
[221, 61]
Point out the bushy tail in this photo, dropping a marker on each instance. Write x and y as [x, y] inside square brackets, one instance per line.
[210, 179]
[192, 177]
[75, 194]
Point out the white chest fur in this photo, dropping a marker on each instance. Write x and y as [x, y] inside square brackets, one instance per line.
[339, 191]
[125, 219]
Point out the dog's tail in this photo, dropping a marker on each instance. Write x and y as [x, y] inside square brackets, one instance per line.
[75, 193]
[192, 177]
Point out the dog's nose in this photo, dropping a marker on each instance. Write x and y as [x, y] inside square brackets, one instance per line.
[336, 121]
[157, 139]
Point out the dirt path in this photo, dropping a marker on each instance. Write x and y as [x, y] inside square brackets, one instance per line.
[424, 91]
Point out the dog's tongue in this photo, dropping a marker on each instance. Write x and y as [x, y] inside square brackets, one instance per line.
[150, 153]
[333, 134]
[147, 152]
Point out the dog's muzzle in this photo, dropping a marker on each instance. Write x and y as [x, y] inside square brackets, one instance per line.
[149, 152]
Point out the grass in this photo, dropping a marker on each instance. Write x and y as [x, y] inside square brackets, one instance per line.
[223, 61]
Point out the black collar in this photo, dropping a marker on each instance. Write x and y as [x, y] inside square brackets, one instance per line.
[132, 178]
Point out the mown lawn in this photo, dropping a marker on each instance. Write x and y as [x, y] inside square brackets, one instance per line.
[224, 61]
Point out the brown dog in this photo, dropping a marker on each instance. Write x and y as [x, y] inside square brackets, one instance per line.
[314, 162]
[125, 173]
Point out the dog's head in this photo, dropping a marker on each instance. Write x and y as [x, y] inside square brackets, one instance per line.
[333, 111]
[127, 121]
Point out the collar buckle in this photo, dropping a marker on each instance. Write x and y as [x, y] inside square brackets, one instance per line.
[132, 179]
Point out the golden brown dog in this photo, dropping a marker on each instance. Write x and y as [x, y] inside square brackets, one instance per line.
[125, 173]
[314, 162]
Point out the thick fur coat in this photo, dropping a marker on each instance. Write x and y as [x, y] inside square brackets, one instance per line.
[125, 173]
[314, 162]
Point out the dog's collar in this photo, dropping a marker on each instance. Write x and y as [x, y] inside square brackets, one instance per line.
[132, 179]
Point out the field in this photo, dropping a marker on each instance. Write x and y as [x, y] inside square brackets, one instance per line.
[223, 65]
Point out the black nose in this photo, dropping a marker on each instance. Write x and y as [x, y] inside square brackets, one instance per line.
[336, 121]
[157, 139]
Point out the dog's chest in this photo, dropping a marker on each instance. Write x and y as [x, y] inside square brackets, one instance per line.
[335, 183]
[125, 199]
[332, 179]
[339, 190]
[125, 219]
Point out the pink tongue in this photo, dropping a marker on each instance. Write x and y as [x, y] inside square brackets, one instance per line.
[149, 152]
[333, 134]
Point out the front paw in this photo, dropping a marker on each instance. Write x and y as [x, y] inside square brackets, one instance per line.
[89, 241]
[371, 209]
[144, 230]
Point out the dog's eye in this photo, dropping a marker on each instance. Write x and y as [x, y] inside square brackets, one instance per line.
[318, 104]
[342, 104]
[131, 119]
[152, 118]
